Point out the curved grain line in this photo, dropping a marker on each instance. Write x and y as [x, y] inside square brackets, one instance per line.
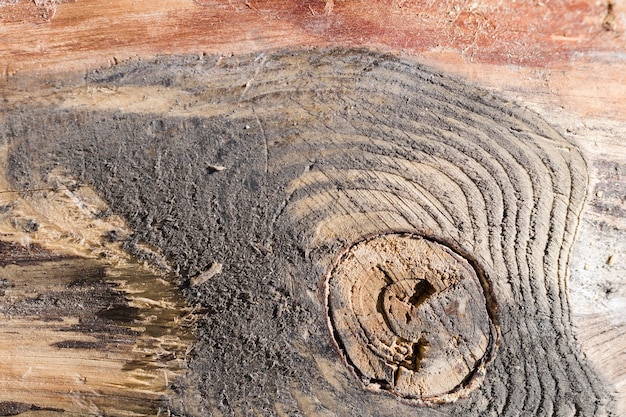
[377, 180]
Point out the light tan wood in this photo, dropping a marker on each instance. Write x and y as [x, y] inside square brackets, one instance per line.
[79, 336]
[411, 317]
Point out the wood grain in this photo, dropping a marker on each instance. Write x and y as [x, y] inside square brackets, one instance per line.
[62, 34]
[411, 317]
[318, 149]
[82, 338]
[85, 328]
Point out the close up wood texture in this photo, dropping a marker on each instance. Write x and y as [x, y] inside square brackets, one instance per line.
[422, 311]
[246, 166]
[90, 339]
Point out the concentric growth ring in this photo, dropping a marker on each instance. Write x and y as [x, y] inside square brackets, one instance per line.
[411, 317]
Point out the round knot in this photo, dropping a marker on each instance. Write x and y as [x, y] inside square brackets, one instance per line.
[410, 316]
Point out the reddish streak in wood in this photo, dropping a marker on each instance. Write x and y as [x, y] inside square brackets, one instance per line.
[524, 33]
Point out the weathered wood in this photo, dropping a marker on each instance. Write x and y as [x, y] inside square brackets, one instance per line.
[81, 337]
[562, 53]
[320, 149]
[562, 59]
[84, 329]
[411, 317]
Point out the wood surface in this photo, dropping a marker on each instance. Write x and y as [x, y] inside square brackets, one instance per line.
[91, 339]
[423, 312]
[562, 60]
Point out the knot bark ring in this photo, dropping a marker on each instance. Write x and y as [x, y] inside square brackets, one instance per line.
[410, 316]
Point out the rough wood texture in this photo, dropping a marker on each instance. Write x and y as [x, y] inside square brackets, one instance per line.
[63, 33]
[562, 53]
[564, 60]
[84, 329]
[411, 317]
[80, 337]
[316, 150]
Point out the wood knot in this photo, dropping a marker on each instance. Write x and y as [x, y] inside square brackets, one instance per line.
[411, 317]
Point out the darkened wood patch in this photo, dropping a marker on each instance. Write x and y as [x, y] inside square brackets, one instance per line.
[15, 253]
[12, 408]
